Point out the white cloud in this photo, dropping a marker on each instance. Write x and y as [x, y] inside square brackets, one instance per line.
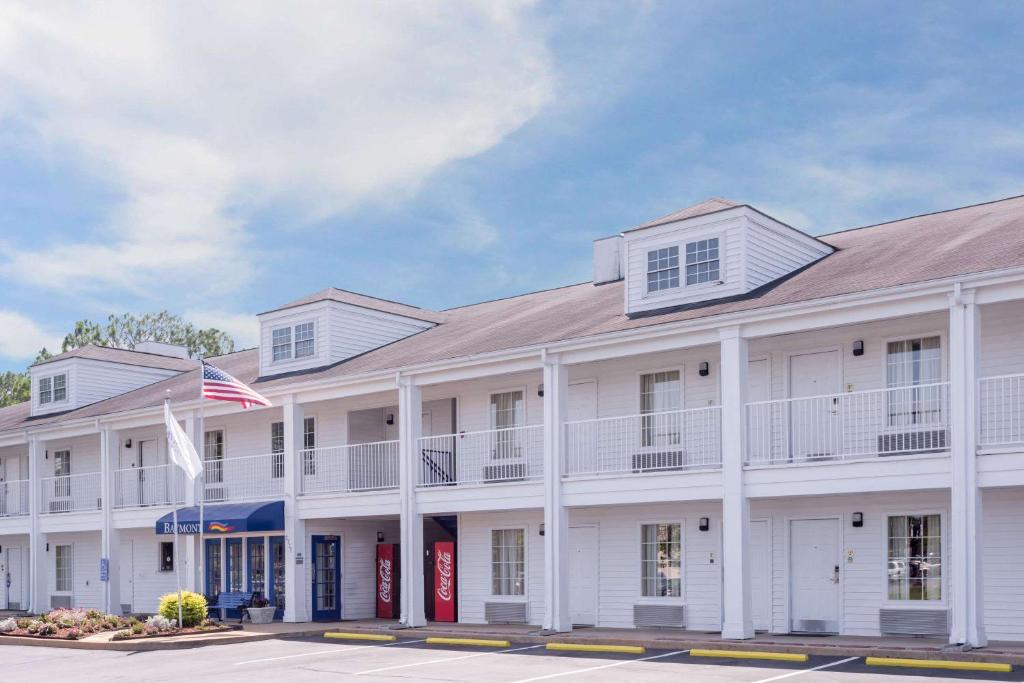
[244, 328]
[21, 338]
[198, 115]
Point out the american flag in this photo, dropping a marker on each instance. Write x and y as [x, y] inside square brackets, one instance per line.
[220, 386]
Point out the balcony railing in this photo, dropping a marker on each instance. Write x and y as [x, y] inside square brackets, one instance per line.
[14, 498]
[146, 486]
[637, 444]
[491, 456]
[71, 493]
[358, 467]
[1001, 411]
[251, 477]
[858, 424]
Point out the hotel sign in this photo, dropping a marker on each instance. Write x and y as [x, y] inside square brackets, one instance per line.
[193, 528]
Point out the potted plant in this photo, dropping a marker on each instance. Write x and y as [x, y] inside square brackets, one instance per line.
[261, 611]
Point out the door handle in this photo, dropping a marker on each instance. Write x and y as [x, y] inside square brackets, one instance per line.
[835, 574]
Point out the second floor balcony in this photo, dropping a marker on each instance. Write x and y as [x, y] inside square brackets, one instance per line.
[249, 477]
[349, 469]
[14, 498]
[1001, 412]
[482, 457]
[71, 493]
[148, 486]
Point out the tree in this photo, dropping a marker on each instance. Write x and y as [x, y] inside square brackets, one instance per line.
[126, 330]
[14, 388]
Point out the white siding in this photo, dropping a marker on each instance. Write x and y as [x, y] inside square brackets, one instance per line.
[773, 253]
[1002, 328]
[91, 380]
[1004, 573]
[142, 572]
[87, 588]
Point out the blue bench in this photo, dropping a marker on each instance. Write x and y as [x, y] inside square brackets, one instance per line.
[233, 600]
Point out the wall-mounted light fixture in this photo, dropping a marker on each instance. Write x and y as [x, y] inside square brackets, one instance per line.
[540, 390]
[380, 537]
[858, 519]
[858, 347]
[704, 368]
[704, 524]
[390, 418]
[127, 443]
[47, 547]
[542, 528]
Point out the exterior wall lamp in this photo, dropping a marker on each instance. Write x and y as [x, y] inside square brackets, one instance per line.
[858, 519]
[704, 368]
[540, 390]
[704, 524]
[380, 537]
[858, 347]
[127, 443]
[390, 419]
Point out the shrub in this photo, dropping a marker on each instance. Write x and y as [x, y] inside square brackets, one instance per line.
[93, 614]
[47, 629]
[138, 628]
[159, 622]
[122, 635]
[72, 634]
[23, 623]
[8, 625]
[33, 627]
[193, 608]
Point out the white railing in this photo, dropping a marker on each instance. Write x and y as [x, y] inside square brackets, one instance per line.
[652, 442]
[71, 493]
[14, 498]
[251, 477]
[1001, 411]
[857, 424]
[145, 486]
[494, 455]
[357, 467]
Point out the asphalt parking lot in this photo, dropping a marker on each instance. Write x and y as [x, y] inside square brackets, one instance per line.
[406, 660]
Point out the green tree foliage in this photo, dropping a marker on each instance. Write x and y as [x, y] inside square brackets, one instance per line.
[126, 330]
[193, 608]
[14, 388]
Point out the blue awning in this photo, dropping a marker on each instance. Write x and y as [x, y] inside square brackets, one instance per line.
[228, 518]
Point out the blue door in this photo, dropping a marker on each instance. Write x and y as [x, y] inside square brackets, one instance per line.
[326, 578]
[256, 581]
[235, 569]
[213, 565]
[275, 590]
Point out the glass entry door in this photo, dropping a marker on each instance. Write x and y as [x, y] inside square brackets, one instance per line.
[275, 592]
[326, 578]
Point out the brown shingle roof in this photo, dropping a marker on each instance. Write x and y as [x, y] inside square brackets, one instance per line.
[972, 239]
[365, 301]
[707, 206]
[125, 356]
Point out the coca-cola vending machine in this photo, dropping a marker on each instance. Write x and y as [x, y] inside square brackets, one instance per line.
[444, 581]
[387, 581]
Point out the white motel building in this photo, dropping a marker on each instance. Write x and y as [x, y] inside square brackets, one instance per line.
[735, 427]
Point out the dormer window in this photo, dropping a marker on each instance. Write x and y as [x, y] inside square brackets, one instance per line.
[702, 263]
[293, 342]
[53, 389]
[662, 269]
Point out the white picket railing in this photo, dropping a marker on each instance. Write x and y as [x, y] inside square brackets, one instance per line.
[250, 477]
[652, 442]
[357, 467]
[71, 493]
[857, 424]
[1001, 411]
[14, 498]
[490, 456]
[146, 486]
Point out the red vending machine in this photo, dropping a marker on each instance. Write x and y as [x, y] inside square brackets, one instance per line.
[388, 581]
[444, 581]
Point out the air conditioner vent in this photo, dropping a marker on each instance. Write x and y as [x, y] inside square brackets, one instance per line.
[505, 612]
[659, 616]
[913, 622]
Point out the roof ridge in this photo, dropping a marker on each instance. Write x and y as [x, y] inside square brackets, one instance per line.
[517, 296]
[922, 215]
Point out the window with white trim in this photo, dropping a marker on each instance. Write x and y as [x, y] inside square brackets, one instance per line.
[53, 389]
[661, 567]
[64, 568]
[304, 343]
[507, 411]
[660, 393]
[213, 455]
[166, 556]
[913, 371]
[702, 264]
[662, 269]
[508, 562]
[45, 390]
[915, 557]
[281, 343]
[309, 444]
[277, 449]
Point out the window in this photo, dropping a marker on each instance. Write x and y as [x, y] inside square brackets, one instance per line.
[507, 412]
[236, 578]
[660, 395]
[45, 390]
[257, 566]
[508, 562]
[662, 269]
[167, 556]
[915, 557]
[277, 449]
[282, 343]
[62, 474]
[60, 388]
[304, 345]
[213, 455]
[64, 568]
[702, 261]
[308, 444]
[913, 369]
[661, 560]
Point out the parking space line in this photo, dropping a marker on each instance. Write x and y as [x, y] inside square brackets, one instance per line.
[327, 651]
[445, 659]
[603, 666]
[804, 671]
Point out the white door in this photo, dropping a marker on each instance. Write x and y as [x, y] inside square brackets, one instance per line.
[583, 400]
[761, 575]
[582, 455]
[127, 575]
[14, 579]
[814, 568]
[761, 443]
[583, 561]
[814, 422]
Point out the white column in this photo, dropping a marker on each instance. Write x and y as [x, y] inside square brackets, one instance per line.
[737, 621]
[39, 592]
[295, 584]
[110, 538]
[556, 516]
[966, 578]
[410, 427]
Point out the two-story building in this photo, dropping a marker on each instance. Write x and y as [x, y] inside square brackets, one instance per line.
[735, 427]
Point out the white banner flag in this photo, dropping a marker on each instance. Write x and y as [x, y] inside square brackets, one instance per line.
[179, 447]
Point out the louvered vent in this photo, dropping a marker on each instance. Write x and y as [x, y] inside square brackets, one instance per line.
[913, 622]
[58, 601]
[126, 608]
[505, 612]
[658, 616]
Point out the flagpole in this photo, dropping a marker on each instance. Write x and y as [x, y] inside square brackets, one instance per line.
[174, 555]
[202, 486]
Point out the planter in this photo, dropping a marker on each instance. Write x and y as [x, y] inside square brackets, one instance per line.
[261, 615]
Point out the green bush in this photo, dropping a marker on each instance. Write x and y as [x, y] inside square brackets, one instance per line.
[193, 608]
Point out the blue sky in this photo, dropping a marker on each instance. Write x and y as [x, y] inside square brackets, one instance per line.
[219, 161]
